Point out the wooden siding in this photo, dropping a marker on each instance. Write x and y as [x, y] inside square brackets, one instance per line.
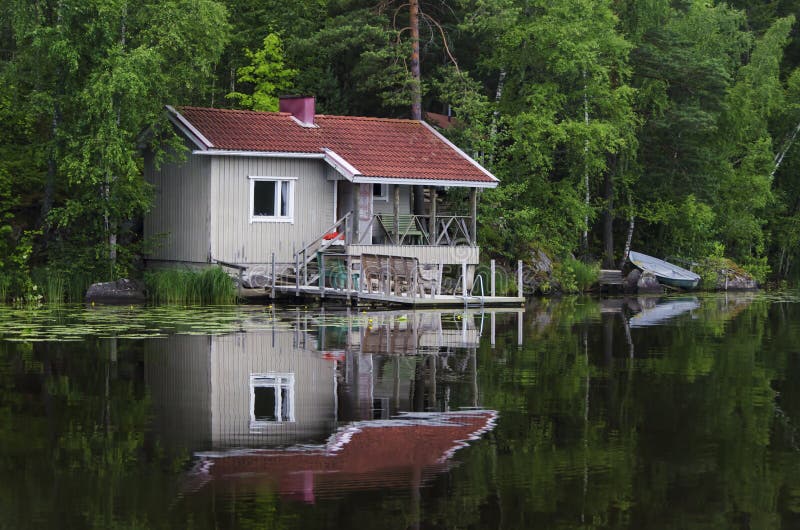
[235, 239]
[234, 357]
[181, 209]
[386, 207]
[178, 378]
[428, 254]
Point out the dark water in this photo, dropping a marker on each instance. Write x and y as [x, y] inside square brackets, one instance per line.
[651, 413]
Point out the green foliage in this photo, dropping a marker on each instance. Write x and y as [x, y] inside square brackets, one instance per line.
[189, 287]
[268, 75]
[575, 276]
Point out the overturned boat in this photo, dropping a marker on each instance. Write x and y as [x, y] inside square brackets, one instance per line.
[666, 273]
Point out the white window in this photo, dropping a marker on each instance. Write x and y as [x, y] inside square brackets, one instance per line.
[380, 192]
[272, 199]
[271, 399]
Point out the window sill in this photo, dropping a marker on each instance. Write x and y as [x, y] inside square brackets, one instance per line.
[271, 220]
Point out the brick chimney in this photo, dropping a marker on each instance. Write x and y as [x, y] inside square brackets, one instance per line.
[301, 107]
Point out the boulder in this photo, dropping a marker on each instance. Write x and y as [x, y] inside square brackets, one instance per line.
[632, 281]
[738, 280]
[122, 291]
[648, 283]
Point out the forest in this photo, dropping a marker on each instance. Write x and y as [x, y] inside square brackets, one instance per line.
[669, 126]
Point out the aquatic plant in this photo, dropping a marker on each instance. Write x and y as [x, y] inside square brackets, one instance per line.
[184, 286]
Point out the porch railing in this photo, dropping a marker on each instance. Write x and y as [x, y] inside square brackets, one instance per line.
[448, 230]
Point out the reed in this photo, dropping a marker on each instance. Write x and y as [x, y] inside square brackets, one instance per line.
[187, 287]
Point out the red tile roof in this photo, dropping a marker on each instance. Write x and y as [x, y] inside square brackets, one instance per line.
[376, 147]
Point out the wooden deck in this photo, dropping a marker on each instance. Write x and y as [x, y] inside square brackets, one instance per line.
[364, 298]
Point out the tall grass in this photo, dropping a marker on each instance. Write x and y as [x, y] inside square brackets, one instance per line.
[211, 286]
[575, 276]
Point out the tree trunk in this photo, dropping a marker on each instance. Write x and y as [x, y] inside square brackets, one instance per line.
[608, 219]
[587, 198]
[629, 237]
[416, 88]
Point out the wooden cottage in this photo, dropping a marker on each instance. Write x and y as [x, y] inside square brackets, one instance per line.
[295, 200]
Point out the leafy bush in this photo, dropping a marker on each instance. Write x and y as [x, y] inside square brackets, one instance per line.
[575, 276]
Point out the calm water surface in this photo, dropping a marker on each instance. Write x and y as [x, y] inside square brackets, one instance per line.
[638, 413]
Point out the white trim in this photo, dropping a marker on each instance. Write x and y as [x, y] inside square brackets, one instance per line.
[185, 126]
[304, 124]
[360, 179]
[289, 218]
[262, 154]
[277, 381]
[459, 151]
[335, 199]
[341, 165]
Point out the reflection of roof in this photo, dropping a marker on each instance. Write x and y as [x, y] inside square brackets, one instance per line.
[374, 147]
[362, 455]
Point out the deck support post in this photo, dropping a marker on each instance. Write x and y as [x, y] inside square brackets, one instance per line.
[297, 274]
[396, 208]
[348, 281]
[272, 293]
[492, 279]
[473, 210]
[519, 278]
[464, 279]
[432, 222]
[322, 275]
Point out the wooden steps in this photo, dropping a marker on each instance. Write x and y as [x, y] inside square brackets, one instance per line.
[610, 277]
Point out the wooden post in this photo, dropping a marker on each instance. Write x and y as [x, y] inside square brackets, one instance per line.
[492, 279]
[348, 281]
[433, 226]
[519, 278]
[322, 274]
[415, 280]
[473, 200]
[493, 336]
[396, 202]
[297, 274]
[387, 277]
[348, 236]
[272, 294]
[356, 237]
[464, 278]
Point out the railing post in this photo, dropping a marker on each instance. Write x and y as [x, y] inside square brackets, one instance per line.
[272, 293]
[493, 270]
[348, 237]
[519, 278]
[348, 281]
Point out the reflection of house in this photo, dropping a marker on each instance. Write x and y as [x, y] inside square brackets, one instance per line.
[403, 452]
[367, 396]
[244, 389]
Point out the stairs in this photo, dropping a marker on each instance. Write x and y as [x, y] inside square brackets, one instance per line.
[609, 277]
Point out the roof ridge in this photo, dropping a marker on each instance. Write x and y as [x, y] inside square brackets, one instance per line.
[367, 118]
[235, 111]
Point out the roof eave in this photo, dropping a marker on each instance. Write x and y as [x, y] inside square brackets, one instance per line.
[455, 148]
[188, 129]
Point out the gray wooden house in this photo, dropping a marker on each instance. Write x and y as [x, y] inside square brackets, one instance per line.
[271, 193]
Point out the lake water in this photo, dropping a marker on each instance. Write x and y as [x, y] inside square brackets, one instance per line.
[674, 412]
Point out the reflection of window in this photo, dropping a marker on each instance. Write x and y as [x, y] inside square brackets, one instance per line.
[271, 398]
[271, 199]
[380, 192]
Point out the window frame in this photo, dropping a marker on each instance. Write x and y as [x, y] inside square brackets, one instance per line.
[384, 195]
[277, 381]
[273, 218]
